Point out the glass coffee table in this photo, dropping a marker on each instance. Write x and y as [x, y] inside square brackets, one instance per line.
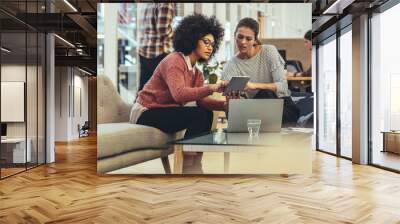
[285, 152]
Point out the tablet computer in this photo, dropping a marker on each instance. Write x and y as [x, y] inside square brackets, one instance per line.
[237, 83]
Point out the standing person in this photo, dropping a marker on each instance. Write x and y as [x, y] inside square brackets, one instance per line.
[155, 37]
[177, 81]
[264, 66]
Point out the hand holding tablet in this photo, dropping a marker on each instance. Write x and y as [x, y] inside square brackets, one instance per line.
[237, 83]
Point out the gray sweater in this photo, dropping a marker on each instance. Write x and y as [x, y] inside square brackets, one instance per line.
[267, 66]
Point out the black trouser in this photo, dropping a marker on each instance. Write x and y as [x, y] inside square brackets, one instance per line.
[147, 67]
[290, 110]
[196, 120]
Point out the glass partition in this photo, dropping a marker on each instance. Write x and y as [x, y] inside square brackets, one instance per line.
[385, 89]
[346, 93]
[327, 96]
[22, 89]
[13, 105]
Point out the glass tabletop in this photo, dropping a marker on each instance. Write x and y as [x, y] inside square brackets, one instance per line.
[242, 139]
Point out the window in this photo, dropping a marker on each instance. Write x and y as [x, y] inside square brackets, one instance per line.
[327, 96]
[385, 85]
[119, 31]
[346, 93]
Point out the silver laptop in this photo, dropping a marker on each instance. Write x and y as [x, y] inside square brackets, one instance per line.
[269, 111]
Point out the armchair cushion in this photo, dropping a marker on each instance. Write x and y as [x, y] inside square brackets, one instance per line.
[110, 106]
[119, 138]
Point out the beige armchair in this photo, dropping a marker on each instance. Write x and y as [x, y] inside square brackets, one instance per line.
[121, 144]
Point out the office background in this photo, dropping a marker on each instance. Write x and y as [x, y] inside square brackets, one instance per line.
[357, 84]
[278, 22]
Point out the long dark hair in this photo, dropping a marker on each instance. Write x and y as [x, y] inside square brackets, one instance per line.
[251, 24]
[308, 35]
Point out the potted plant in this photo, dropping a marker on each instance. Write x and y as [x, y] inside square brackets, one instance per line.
[210, 71]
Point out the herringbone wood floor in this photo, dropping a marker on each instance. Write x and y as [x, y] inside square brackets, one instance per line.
[70, 191]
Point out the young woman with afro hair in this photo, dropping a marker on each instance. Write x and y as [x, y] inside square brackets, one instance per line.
[177, 81]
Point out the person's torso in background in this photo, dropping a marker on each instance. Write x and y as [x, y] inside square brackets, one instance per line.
[155, 34]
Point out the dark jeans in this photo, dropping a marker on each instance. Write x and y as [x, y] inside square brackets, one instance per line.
[147, 67]
[290, 110]
[196, 120]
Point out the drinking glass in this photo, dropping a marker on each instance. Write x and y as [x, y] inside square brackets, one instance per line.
[253, 126]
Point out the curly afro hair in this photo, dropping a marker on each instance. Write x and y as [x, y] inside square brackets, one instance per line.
[192, 28]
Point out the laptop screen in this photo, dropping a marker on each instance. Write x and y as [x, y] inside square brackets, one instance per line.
[3, 129]
[269, 111]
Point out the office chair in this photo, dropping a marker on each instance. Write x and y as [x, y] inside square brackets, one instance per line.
[84, 130]
[294, 66]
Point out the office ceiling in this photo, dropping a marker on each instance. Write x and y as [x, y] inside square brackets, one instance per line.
[74, 21]
[327, 12]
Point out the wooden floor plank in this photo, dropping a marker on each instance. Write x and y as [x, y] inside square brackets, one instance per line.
[70, 191]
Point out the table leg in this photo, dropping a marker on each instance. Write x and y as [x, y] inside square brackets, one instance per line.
[226, 162]
[384, 142]
[178, 159]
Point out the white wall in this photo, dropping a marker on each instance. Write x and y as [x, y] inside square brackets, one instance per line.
[71, 87]
[111, 42]
[80, 110]
[287, 20]
[33, 126]
[281, 20]
[14, 73]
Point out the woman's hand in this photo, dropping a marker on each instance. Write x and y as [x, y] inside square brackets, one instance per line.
[250, 86]
[231, 95]
[218, 87]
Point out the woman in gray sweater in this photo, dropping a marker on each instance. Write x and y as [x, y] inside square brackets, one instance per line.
[264, 66]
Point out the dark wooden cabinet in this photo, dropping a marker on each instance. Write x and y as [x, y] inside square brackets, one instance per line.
[391, 141]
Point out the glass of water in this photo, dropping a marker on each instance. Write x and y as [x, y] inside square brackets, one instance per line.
[253, 125]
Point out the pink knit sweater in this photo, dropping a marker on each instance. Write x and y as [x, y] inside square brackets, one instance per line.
[174, 85]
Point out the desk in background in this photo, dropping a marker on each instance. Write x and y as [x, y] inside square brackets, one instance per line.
[13, 150]
[391, 141]
[301, 83]
[299, 78]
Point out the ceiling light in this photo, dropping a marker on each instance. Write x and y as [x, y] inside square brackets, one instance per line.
[70, 5]
[84, 71]
[5, 50]
[65, 41]
[338, 6]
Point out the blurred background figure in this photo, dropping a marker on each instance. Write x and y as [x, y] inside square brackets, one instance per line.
[155, 37]
[308, 46]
